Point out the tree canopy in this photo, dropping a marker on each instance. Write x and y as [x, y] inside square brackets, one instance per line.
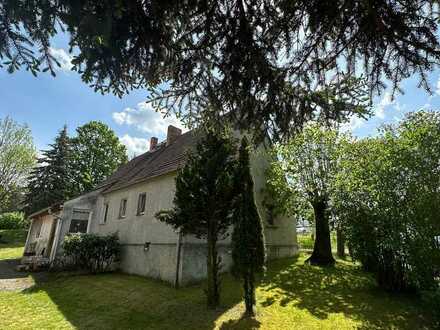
[51, 180]
[303, 174]
[387, 197]
[97, 153]
[267, 63]
[17, 157]
[73, 166]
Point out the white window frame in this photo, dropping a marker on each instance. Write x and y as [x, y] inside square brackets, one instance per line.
[105, 210]
[123, 208]
[144, 196]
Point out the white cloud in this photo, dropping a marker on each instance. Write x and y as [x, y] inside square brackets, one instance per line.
[145, 119]
[385, 102]
[64, 58]
[354, 123]
[135, 146]
[437, 91]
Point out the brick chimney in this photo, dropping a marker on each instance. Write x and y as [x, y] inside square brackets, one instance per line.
[153, 143]
[172, 134]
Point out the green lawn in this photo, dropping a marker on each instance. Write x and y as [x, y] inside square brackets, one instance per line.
[306, 242]
[12, 243]
[291, 296]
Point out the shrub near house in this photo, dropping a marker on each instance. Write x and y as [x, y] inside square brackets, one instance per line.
[91, 252]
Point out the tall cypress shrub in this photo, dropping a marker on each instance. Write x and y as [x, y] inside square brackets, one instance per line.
[203, 200]
[248, 250]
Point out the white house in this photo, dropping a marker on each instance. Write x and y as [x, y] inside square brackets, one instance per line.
[128, 200]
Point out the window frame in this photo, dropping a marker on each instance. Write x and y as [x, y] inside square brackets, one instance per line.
[104, 218]
[78, 221]
[141, 196]
[123, 207]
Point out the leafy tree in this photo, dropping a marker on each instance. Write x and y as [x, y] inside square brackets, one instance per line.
[51, 180]
[17, 157]
[387, 195]
[203, 200]
[97, 153]
[269, 63]
[305, 170]
[248, 250]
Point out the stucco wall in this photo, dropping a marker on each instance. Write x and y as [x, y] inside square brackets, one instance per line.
[159, 261]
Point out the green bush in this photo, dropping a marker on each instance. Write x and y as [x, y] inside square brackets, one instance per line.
[386, 197]
[432, 300]
[13, 220]
[91, 252]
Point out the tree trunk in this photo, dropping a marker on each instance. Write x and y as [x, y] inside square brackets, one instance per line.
[322, 250]
[212, 292]
[340, 242]
[249, 294]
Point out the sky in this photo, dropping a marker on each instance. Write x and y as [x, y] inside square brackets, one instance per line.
[47, 103]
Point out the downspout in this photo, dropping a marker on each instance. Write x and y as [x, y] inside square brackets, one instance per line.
[178, 253]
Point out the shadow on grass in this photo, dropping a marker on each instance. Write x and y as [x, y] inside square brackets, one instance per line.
[345, 289]
[119, 301]
[241, 323]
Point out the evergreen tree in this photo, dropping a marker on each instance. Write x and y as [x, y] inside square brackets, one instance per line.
[51, 182]
[267, 63]
[203, 200]
[248, 250]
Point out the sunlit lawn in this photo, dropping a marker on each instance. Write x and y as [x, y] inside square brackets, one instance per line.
[12, 243]
[291, 296]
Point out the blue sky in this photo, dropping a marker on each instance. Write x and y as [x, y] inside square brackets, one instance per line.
[46, 103]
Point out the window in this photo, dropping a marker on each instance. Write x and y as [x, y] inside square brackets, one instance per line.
[79, 222]
[123, 208]
[104, 218]
[78, 226]
[141, 203]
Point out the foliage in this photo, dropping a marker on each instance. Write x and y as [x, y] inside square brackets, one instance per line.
[303, 174]
[73, 166]
[269, 63]
[248, 249]
[92, 252]
[13, 220]
[290, 296]
[387, 197]
[12, 243]
[51, 180]
[97, 153]
[17, 157]
[432, 301]
[203, 199]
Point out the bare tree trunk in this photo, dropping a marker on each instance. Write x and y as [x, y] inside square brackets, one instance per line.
[322, 250]
[340, 242]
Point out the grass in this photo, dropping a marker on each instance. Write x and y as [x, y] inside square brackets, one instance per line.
[306, 241]
[12, 243]
[291, 296]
